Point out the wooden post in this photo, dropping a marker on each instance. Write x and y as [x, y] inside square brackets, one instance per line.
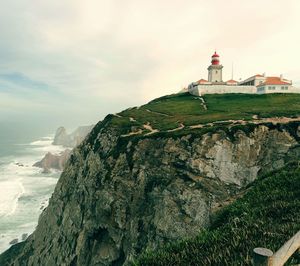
[287, 250]
[265, 257]
[262, 257]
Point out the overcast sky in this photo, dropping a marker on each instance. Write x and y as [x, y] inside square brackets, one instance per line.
[73, 61]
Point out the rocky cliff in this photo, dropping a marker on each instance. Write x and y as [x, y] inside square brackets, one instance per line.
[73, 139]
[53, 161]
[120, 194]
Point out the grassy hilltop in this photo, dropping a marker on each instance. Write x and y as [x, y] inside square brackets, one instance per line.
[184, 110]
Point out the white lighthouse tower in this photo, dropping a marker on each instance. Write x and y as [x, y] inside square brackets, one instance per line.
[215, 69]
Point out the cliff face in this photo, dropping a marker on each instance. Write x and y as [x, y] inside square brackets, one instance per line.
[120, 195]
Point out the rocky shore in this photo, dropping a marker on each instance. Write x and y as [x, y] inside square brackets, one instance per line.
[69, 141]
[54, 161]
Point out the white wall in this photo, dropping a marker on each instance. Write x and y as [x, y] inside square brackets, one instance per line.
[221, 89]
[200, 90]
[278, 89]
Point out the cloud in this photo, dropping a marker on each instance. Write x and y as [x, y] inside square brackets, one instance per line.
[89, 58]
[22, 81]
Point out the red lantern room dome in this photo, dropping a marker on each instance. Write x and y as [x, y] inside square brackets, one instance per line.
[215, 59]
[215, 55]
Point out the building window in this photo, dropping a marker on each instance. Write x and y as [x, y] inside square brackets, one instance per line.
[216, 71]
[261, 89]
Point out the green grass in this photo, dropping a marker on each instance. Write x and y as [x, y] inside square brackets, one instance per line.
[246, 105]
[169, 112]
[266, 216]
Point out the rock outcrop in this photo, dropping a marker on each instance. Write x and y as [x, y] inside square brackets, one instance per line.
[120, 195]
[60, 136]
[53, 161]
[73, 139]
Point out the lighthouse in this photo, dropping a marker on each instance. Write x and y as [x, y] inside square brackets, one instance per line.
[215, 69]
[256, 84]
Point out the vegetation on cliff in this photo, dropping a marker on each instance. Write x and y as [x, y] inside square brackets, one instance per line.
[178, 110]
[266, 216]
[156, 174]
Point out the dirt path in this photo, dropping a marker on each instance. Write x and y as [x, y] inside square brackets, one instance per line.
[196, 126]
[276, 120]
[149, 127]
[181, 126]
[158, 113]
[140, 131]
[273, 120]
[203, 103]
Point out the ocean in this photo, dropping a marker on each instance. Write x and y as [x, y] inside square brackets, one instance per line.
[24, 189]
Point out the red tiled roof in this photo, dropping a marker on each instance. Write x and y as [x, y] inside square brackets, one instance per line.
[231, 81]
[202, 81]
[274, 81]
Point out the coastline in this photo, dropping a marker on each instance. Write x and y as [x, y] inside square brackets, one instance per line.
[24, 189]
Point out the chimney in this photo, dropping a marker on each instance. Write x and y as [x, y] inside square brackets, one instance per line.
[264, 74]
[281, 77]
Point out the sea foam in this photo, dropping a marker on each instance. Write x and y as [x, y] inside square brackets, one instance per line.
[10, 191]
[24, 190]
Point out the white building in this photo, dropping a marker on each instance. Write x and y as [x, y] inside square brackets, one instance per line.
[276, 85]
[257, 84]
